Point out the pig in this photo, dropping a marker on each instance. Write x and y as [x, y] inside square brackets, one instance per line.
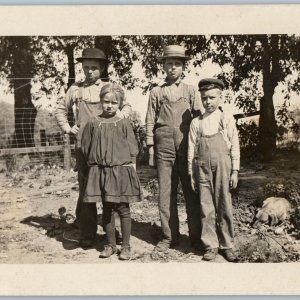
[275, 210]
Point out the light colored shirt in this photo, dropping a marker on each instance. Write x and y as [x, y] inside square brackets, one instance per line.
[209, 126]
[90, 93]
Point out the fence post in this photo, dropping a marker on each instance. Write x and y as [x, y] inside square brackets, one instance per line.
[43, 137]
[67, 152]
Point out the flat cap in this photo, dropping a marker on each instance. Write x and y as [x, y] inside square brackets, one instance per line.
[210, 83]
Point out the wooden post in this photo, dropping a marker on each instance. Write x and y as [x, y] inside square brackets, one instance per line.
[67, 152]
[43, 137]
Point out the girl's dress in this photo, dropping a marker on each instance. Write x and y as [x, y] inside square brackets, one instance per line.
[110, 149]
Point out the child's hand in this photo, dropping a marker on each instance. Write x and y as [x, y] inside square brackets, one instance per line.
[151, 156]
[233, 179]
[74, 129]
[193, 182]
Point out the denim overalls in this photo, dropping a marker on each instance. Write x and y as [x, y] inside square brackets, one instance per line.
[170, 147]
[86, 213]
[213, 169]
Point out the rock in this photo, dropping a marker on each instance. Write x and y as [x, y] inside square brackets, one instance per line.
[279, 230]
[62, 210]
[244, 228]
[48, 182]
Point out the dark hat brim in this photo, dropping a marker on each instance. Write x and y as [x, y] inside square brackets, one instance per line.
[80, 59]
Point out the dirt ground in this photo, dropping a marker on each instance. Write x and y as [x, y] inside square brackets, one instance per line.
[34, 227]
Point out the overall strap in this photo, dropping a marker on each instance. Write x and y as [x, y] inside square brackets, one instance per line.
[200, 125]
[159, 103]
[185, 92]
[221, 122]
[80, 91]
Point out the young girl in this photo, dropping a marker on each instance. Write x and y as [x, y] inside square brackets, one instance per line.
[110, 148]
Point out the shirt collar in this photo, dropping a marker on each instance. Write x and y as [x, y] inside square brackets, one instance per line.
[177, 82]
[97, 82]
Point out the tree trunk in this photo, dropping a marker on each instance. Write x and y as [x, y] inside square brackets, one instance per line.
[22, 72]
[105, 44]
[69, 50]
[267, 122]
[71, 65]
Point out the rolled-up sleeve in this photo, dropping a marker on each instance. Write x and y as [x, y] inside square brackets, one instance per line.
[192, 143]
[125, 110]
[197, 108]
[150, 118]
[233, 137]
[62, 108]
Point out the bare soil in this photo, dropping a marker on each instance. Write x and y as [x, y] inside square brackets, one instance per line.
[34, 230]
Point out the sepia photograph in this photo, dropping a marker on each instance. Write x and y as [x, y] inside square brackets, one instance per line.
[148, 148]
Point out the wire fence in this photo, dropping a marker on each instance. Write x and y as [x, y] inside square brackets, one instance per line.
[29, 137]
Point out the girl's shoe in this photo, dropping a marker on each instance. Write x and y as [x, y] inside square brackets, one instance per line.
[108, 251]
[125, 253]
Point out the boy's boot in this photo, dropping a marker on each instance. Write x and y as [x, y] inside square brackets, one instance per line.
[108, 251]
[210, 254]
[229, 255]
[125, 253]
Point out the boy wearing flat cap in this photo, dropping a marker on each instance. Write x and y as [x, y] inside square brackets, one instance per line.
[214, 160]
[84, 99]
[172, 105]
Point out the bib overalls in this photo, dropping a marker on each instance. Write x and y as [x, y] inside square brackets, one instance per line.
[170, 147]
[86, 213]
[213, 170]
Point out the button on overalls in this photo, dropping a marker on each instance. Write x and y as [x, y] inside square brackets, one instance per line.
[213, 169]
[170, 147]
[86, 213]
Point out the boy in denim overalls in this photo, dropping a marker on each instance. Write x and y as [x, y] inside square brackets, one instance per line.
[172, 105]
[214, 160]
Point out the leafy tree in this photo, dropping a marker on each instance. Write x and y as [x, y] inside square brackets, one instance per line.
[29, 59]
[253, 66]
[17, 61]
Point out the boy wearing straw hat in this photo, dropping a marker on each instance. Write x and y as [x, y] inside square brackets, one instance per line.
[84, 99]
[171, 108]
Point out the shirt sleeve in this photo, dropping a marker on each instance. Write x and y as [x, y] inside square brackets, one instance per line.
[150, 118]
[62, 108]
[196, 102]
[233, 137]
[86, 139]
[194, 128]
[125, 110]
[133, 146]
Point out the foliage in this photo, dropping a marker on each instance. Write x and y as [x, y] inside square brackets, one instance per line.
[248, 134]
[140, 135]
[252, 66]
[263, 249]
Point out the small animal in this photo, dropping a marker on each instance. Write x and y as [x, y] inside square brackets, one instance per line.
[275, 210]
